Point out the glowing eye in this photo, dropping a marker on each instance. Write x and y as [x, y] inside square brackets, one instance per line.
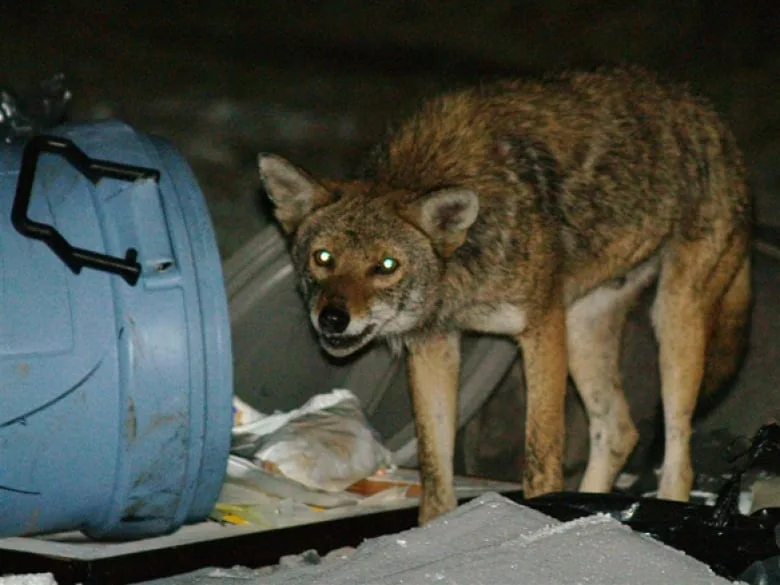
[387, 265]
[323, 258]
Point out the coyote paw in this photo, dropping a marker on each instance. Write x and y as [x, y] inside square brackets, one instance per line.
[435, 504]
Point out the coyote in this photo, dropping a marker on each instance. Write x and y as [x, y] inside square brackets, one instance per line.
[537, 210]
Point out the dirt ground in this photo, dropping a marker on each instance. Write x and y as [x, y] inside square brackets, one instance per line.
[224, 81]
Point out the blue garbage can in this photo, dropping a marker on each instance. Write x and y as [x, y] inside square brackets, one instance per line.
[115, 359]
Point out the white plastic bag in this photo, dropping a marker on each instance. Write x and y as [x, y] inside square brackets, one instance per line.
[327, 444]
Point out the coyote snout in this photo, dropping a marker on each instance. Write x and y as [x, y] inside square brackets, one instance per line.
[346, 314]
[335, 328]
[539, 211]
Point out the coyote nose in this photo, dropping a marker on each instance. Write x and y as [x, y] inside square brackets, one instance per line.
[333, 319]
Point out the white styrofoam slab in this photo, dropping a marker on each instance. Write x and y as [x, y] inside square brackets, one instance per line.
[489, 541]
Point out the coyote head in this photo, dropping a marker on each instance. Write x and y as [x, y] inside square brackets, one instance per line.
[369, 257]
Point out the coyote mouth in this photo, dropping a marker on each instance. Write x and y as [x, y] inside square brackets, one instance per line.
[342, 345]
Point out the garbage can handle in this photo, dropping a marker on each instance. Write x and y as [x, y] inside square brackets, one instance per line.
[94, 170]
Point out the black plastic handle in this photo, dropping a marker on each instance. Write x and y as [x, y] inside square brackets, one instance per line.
[94, 170]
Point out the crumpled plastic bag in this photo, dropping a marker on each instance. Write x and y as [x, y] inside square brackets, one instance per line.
[327, 444]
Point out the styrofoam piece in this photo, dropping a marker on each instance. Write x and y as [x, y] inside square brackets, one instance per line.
[499, 520]
[457, 535]
[487, 542]
[594, 549]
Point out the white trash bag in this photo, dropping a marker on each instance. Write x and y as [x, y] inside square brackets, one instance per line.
[327, 444]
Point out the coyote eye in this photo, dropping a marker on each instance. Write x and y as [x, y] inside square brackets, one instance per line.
[387, 265]
[323, 258]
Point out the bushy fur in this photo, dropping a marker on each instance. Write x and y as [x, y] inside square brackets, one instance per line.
[538, 210]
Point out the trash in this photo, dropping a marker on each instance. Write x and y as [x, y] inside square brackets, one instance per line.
[766, 572]
[764, 451]
[289, 467]
[732, 544]
[318, 462]
[26, 115]
[327, 444]
[245, 477]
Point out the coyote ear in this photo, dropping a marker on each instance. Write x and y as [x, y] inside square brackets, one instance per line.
[294, 193]
[445, 216]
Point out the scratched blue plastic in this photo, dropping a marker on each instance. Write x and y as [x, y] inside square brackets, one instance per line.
[115, 401]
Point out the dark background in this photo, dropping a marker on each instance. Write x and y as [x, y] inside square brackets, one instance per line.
[317, 81]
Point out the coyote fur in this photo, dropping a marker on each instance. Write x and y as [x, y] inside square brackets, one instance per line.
[537, 210]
